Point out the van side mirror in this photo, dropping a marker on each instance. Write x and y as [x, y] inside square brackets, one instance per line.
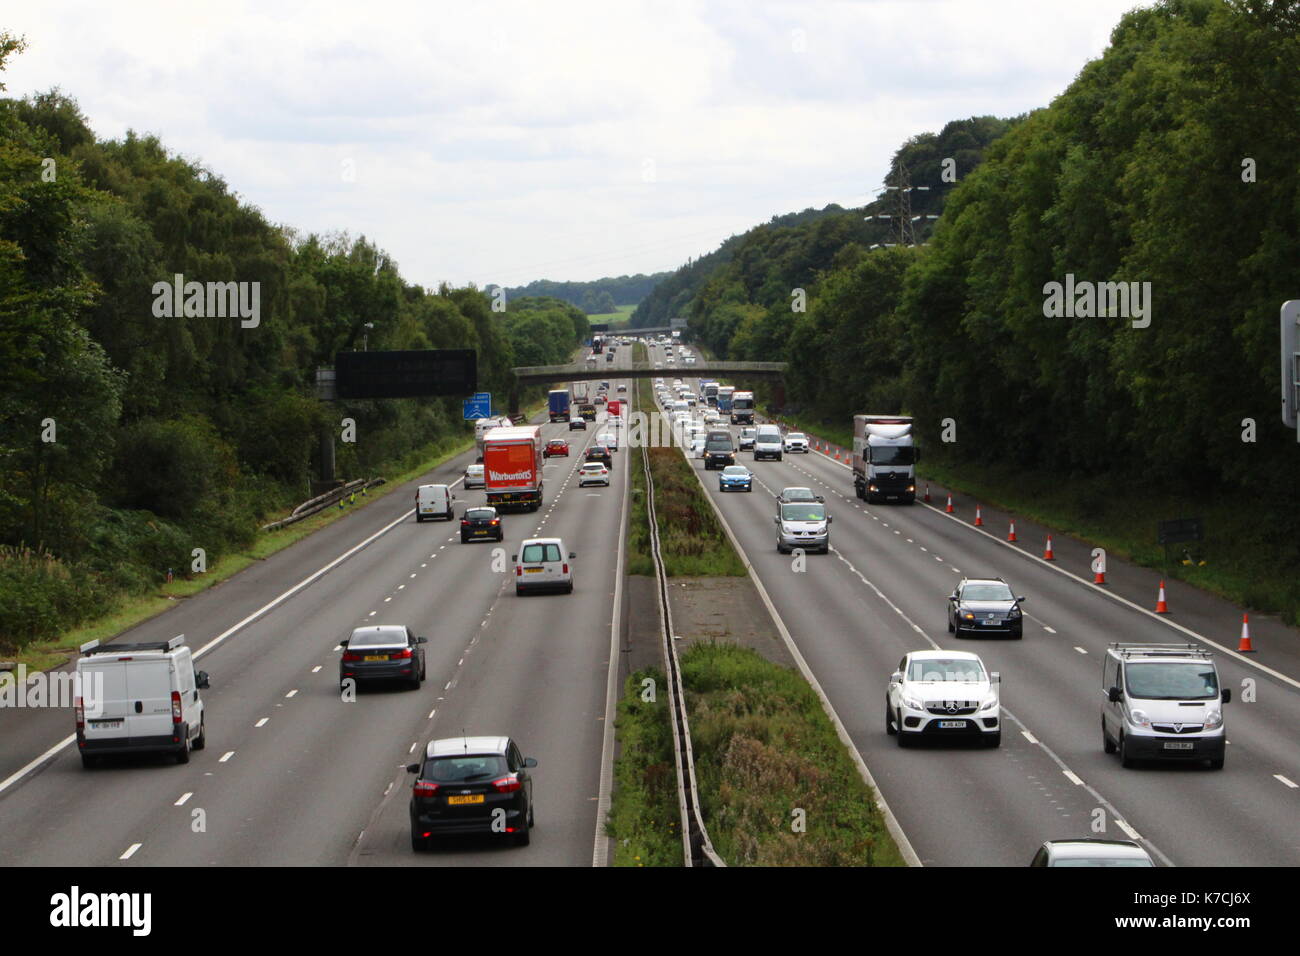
[412, 768]
[1227, 695]
[201, 681]
[344, 642]
[895, 677]
[530, 762]
[514, 557]
[422, 640]
[1020, 600]
[995, 678]
[572, 555]
[1114, 695]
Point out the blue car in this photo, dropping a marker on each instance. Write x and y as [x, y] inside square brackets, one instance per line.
[735, 478]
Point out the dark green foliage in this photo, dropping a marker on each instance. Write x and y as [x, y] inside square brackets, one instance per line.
[612, 291]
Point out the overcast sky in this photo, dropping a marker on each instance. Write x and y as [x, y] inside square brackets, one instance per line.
[503, 142]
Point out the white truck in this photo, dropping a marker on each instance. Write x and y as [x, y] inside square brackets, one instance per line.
[884, 458]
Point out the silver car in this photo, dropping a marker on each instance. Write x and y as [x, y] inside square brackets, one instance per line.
[802, 524]
[474, 477]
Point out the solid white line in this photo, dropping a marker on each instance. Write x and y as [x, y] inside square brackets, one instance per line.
[1133, 834]
[1030, 737]
[1072, 777]
[130, 851]
[183, 800]
[1293, 786]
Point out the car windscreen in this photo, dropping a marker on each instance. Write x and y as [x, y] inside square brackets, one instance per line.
[471, 768]
[796, 436]
[1171, 680]
[480, 514]
[593, 466]
[722, 443]
[893, 455]
[739, 471]
[537, 553]
[813, 511]
[1101, 861]
[986, 592]
[371, 638]
[798, 494]
[946, 669]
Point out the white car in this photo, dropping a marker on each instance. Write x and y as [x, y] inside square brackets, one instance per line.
[796, 442]
[608, 440]
[593, 473]
[943, 694]
[542, 564]
[474, 477]
[697, 447]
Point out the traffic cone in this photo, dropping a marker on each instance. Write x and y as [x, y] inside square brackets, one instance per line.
[1244, 646]
[979, 519]
[927, 492]
[1047, 552]
[948, 510]
[1011, 535]
[1099, 578]
[1161, 606]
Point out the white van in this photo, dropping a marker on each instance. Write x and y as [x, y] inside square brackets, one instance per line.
[434, 501]
[137, 698]
[541, 565]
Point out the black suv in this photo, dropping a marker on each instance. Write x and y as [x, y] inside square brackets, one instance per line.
[719, 452]
[985, 606]
[599, 453]
[471, 785]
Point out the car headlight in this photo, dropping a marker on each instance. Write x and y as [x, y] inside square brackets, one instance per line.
[1140, 718]
[990, 704]
[913, 703]
[1014, 612]
[967, 615]
[1214, 720]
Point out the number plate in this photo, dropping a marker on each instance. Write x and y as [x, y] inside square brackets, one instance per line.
[1179, 745]
[951, 724]
[106, 724]
[376, 657]
[534, 570]
[988, 623]
[468, 798]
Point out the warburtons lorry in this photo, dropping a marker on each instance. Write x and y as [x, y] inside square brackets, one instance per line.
[884, 458]
[512, 467]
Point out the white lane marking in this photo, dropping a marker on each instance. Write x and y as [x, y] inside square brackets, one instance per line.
[130, 851]
[1030, 737]
[292, 693]
[262, 722]
[183, 800]
[1080, 650]
[401, 587]
[316, 669]
[1049, 630]
[447, 686]
[1132, 834]
[412, 574]
[1071, 776]
[226, 756]
[387, 599]
[924, 548]
[1289, 783]
[372, 614]
[413, 746]
[432, 712]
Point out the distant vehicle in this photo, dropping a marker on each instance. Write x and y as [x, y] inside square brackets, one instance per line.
[588, 411]
[434, 501]
[578, 395]
[719, 451]
[513, 461]
[696, 447]
[600, 399]
[798, 494]
[725, 395]
[943, 694]
[471, 785]
[802, 524]
[383, 652]
[577, 422]
[541, 565]
[474, 477]
[608, 440]
[557, 448]
[483, 425]
[148, 700]
[746, 439]
[622, 388]
[884, 458]
[558, 404]
[609, 356]
[1162, 702]
[591, 361]
[593, 473]
[599, 453]
[481, 524]
[1091, 852]
[767, 442]
[796, 443]
[736, 478]
[985, 606]
[742, 408]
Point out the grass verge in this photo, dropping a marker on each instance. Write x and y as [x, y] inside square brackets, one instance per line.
[764, 750]
[644, 820]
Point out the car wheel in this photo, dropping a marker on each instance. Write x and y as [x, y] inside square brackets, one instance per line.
[88, 761]
[889, 720]
[201, 740]
[183, 755]
[523, 837]
[1216, 763]
[532, 822]
[1125, 757]
[464, 539]
[569, 589]
[1107, 745]
[419, 519]
[904, 738]
[415, 682]
[418, 843]
[995, 739]
[519, 592]
[950, 627]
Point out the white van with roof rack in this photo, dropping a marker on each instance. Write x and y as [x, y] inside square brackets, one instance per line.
[1162, 702]
[139, 698]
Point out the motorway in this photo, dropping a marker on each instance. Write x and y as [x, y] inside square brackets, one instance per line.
[881, 592]
[292, 774]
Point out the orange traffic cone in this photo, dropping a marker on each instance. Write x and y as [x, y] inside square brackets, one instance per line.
[1011, 535]
[1099, 577]
[927, 492]
[1244, 646]
[979, 519]
[949, 508]
[1047, 552]
[1161, 606]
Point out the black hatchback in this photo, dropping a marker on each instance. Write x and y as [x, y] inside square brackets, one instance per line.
[599, 453]
[481, 523]
[471, 785]
[383, 652]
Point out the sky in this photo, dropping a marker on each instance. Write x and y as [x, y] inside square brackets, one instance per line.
[501, 142]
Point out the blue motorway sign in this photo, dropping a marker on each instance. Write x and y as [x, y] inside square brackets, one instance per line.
[480, 406]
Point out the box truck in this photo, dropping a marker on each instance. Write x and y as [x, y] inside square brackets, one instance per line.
[512, 467]
[558, 401]
[725, 395]
[884, 458]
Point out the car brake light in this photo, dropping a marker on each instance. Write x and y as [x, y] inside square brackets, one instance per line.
[519, 570]
[423, 788]
[565, 567]
[80, 709]
[496, 520]
[507, 784]
[464, 521]
[403, 655]
[351, 656]
[176, 707]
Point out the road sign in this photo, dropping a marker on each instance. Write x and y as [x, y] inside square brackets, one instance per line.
[1180, 529]
[406, 374]
[1291, 364]
[480, 406]
[677, 323]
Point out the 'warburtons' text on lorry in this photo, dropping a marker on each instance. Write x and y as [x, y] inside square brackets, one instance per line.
[512, 467]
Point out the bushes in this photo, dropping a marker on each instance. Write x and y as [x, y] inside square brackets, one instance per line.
[172, 468]
[39, 594]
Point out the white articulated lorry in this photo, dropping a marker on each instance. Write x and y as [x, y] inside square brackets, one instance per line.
[884, 458]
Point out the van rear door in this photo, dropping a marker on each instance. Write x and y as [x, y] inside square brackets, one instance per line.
[103, 693]
[149, 698]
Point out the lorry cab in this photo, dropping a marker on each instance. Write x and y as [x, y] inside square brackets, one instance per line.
[1162, 702]
[434, 501]
[139, 698]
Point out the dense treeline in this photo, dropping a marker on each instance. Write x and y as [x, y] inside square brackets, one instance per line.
[1171, 160]
[129, 438]
[596, 296]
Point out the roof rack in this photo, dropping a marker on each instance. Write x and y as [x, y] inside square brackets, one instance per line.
[1127, 650]
[94, 647]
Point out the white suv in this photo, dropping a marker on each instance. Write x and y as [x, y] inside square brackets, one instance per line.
[943, 694]
[796, 442]
[593, 473]
[542, 565]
